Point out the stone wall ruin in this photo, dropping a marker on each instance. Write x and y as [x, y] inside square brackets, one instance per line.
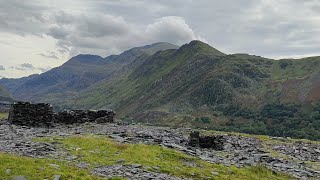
[27, 114]
[213, 142]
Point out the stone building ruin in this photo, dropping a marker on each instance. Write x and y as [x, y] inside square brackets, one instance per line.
[28, 114]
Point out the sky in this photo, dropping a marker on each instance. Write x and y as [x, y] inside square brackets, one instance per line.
[37, 35]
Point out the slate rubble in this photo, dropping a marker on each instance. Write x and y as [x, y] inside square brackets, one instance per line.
[237, 150]
[300, 150]
[132, 172]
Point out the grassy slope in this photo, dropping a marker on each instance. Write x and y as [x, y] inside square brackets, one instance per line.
[39, 169]
[91, 149]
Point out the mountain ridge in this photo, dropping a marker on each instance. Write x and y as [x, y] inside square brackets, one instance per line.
[197, 85]
[78, 73]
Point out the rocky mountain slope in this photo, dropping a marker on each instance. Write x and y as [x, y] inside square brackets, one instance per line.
[199, 86]
[78, 73]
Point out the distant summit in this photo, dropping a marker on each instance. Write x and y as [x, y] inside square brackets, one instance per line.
[199, 46]
[159, 46]
[86, 59]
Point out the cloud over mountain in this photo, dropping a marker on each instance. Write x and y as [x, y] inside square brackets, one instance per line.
[287, 28]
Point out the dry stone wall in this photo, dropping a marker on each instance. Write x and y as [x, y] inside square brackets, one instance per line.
[27, 114]
[82, 116]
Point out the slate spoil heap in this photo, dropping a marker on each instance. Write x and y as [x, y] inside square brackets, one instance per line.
[27, 114]
[214, 142]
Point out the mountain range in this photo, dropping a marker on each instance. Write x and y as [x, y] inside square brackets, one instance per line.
[192, 85]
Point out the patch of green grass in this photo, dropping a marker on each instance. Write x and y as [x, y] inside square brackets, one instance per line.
[3, 115]
[35, 169]
[99, 150]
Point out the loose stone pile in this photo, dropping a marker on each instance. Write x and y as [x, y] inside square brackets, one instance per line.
[27, 114]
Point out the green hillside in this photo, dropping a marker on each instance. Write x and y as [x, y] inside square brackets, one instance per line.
[198, 85]
[193, 86]
[4, 94]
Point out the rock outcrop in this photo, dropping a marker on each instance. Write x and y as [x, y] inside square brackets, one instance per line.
[27, 114]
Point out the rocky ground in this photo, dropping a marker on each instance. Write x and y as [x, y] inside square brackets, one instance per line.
[297, 158]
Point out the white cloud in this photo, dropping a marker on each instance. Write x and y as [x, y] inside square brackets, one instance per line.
[105, 34]
[171, 29]
[30, 67]
[49, 32]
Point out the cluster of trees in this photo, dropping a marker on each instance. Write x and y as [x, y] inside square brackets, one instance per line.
[276, 120]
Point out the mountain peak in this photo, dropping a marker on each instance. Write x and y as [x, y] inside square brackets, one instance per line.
[159, 46]
[199, 46]
[86, 59]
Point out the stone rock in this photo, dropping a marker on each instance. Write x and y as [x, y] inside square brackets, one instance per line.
[19, 178]
[215, 173]
[136, 165]
[56, 177]
[121, 161]
[83, 165]
[55, 166]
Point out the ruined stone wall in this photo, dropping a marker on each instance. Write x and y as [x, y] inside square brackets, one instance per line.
[214, 142]
[82, 116]
[27, 114]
